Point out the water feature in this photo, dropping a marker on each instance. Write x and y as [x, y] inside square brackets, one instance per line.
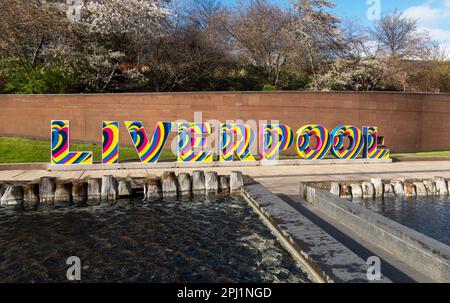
[427, 215]
[216, 239]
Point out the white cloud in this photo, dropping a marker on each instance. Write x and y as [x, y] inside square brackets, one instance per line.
[425, 13]
[437, 33]
[434, 17]
[445, 48]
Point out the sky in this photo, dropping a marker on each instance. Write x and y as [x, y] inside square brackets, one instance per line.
[433, 15]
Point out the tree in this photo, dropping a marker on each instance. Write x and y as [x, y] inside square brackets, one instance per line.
[125, 25]
[204, 13]
[53, 46]
[27, 30]
[39, 42]
[27, 27]
[265, 33]
[108, 34]
[318, 30]
[355, 41]
[429, 76]
[184, 60]
[398, 37]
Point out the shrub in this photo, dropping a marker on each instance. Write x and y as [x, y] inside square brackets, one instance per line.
[268, 87]
[358, 75]
[38, 80]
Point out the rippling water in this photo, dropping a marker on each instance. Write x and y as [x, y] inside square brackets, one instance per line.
[427, 215]
[221, 240]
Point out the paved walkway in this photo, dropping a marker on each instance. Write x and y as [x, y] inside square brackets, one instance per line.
[279, 179]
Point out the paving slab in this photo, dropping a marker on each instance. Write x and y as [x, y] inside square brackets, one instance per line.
[9, 174]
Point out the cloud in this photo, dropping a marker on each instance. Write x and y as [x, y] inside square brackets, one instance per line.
[445, 48]
[437, 33]
[426, 14]
[433, 17]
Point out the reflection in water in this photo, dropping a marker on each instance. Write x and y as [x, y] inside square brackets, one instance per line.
[197, 241]
[427, 215]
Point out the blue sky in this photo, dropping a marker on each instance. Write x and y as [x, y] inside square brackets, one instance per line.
[433, 15]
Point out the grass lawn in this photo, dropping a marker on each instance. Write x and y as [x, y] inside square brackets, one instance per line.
[424, 154]
[19, 150]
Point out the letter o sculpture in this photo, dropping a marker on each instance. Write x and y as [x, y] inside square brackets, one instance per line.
[303, 147]
[356, 142]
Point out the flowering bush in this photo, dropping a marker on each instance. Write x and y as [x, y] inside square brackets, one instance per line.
[365, 74]
[119, 17]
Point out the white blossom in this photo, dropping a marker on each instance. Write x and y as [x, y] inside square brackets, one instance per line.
[137, 17]
[358, 75]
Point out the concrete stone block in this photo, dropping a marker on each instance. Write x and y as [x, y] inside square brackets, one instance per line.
[311, 195]
[302, 190]
[398, 188]
[357, 192]
[346, 191]
[368, 190]
[184, 184]
[335, 188]
[389, 190]
[421, 189]
[430, 186]
[2, 189]
[224, 184]
[13, 195]
[109, 191]
[169, 184]
[441, 186]
[124, 189]
[198, 182]
[94, 189]
[211, 182]
[63, 193]
[236, 181]
[378, 186]
[30, 194]
[79, 191]
[47, 190]
[153, 189]
[410, 189]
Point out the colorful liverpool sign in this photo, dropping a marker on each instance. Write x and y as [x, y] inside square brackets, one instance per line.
[235, 140]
